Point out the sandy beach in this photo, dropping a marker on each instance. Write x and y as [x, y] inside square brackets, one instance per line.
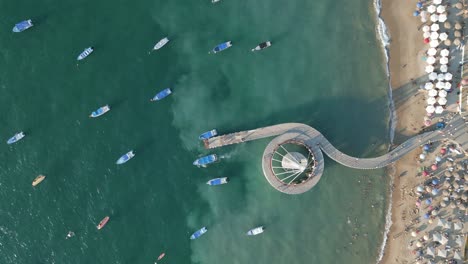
[407, 75]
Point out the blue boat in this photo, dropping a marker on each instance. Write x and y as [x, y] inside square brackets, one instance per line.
[203, 161]
[22, 26]
[217, 181]
[198, 233]
[208, 134]
[162, 94]
[85, 53]
[102, 110]
[126, 157]
[221, 47]
[17, 137]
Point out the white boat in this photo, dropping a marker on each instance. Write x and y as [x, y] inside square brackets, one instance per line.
[17, 137]
[215, 1]
[262, 45]
[100, 111]
[126, 157]
[255, 231]
[161, 43]
[218, 181]
[22, 26]
[85, 53]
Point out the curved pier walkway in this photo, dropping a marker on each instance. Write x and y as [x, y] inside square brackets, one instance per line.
[456, 130]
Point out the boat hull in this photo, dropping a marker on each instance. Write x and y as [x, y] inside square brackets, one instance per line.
[208, 134]
[125, 158]
[100, 111]
[83, 55]
[262, 46]
[162, 94]
[222, 46]
[218, 181]
[204, 161]
[17, 137]
[22, 26]
[102, 223]
[38, 180]
[198, 233]
[255, 231]
[161, 43]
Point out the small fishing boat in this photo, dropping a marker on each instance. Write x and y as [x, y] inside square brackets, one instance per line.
[126, 157]
[161, 43]
[103, 223]
[100, 111]
[262, 45]
[162, 94]
[85, 53]
[161, 256]
[203, 161]
[221, 47]
[255, 231]
[38, 180]
[22, 26]
[17, 137]
[217, 181]
[208, 134]
[198, 233]
[214, 1]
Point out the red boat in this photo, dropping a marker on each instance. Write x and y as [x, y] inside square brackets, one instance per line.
[103, 222]
[161, 256]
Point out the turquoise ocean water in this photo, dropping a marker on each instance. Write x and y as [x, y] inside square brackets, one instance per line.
[325, 69]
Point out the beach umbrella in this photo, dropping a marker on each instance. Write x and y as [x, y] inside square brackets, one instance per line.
[426, 147]
[447, 42]
[437, 159]
[458, 26]
[414, 234]
[422, 156]
[443, 204]
[434, 17]
[464, 82]
[443, 60]
[448, 76]
[430, 101]
[443, 68]
[428, 201]
[430, 251]
[416, 13]
[442, 101]
[434, 43]
[430, 60]
[456, 175]
[441, 77]
[447, 25]
[427, 122]
[426, 40]
[426, 34]
[434, 212]
[418, 244]
[439, 109]
[419, 189]
[437, 2]
[419, 5]
[426, 237]
[435, 181]
[426, 28]
[457, 33]
[425, 173]
[418, 203]
[464, 196]
[457, 255]
[459, 5]
[432, 76]
[442, 18]
[444, 52]
[435, 191]
[431, 9]
[442, 253]
[429, 68]
[436, 237]
[432, 51]
[426, 216]
[423, 17]
[444, 240]
[434, 167]
[430, 109]
[440, 85]
[442, 93]
[435, 27]
[448, 86]
[434, 35]
[432, 92]
[456, 42]
[458, 241]
[440, 9]
[443, 36]
[457, 226]
[428, 189]
[447, 173]
[462, 206]
[428, 86]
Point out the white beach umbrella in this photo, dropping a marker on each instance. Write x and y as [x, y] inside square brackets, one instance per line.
[434, 17]
[437, 2]
[458, 226]
[440, 85]
[436, 237]
[426, 28]
[442, 253]
[444, 240]
[441, 76]
[432, 92]
[427, 34]
[448, 86]
[443, 93]
[418, 244]
[431, 9]
[423, 14]
[444, 52]
[440, 9]
[448, 42]
[441, 101]
[430, 251]
[439, 109]
[428, 86]
[434, 35]
[442, 18]
[434, 43]
[457, 255]
[459, 241]
[443, 68]
[430, 109]
[430, 60]
[457, 33]
[443, 60]
[443, 36]
[432, 75]
[426, 237]
[429, 68]
[431, 100]
[435, 27]
[448, 76]
[432, 51]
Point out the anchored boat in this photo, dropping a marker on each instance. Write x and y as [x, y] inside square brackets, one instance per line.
[161, 43]
[203, 161]
[262, 45]
[85, 53]
[126, 157]
[208, 134]
[217, 181]
[22, 26]
[162, 94]
[221, 47]
[17, 137]
[38, 180]
[102, 223]
[198, 233]
[255, 231]
[100, 111]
